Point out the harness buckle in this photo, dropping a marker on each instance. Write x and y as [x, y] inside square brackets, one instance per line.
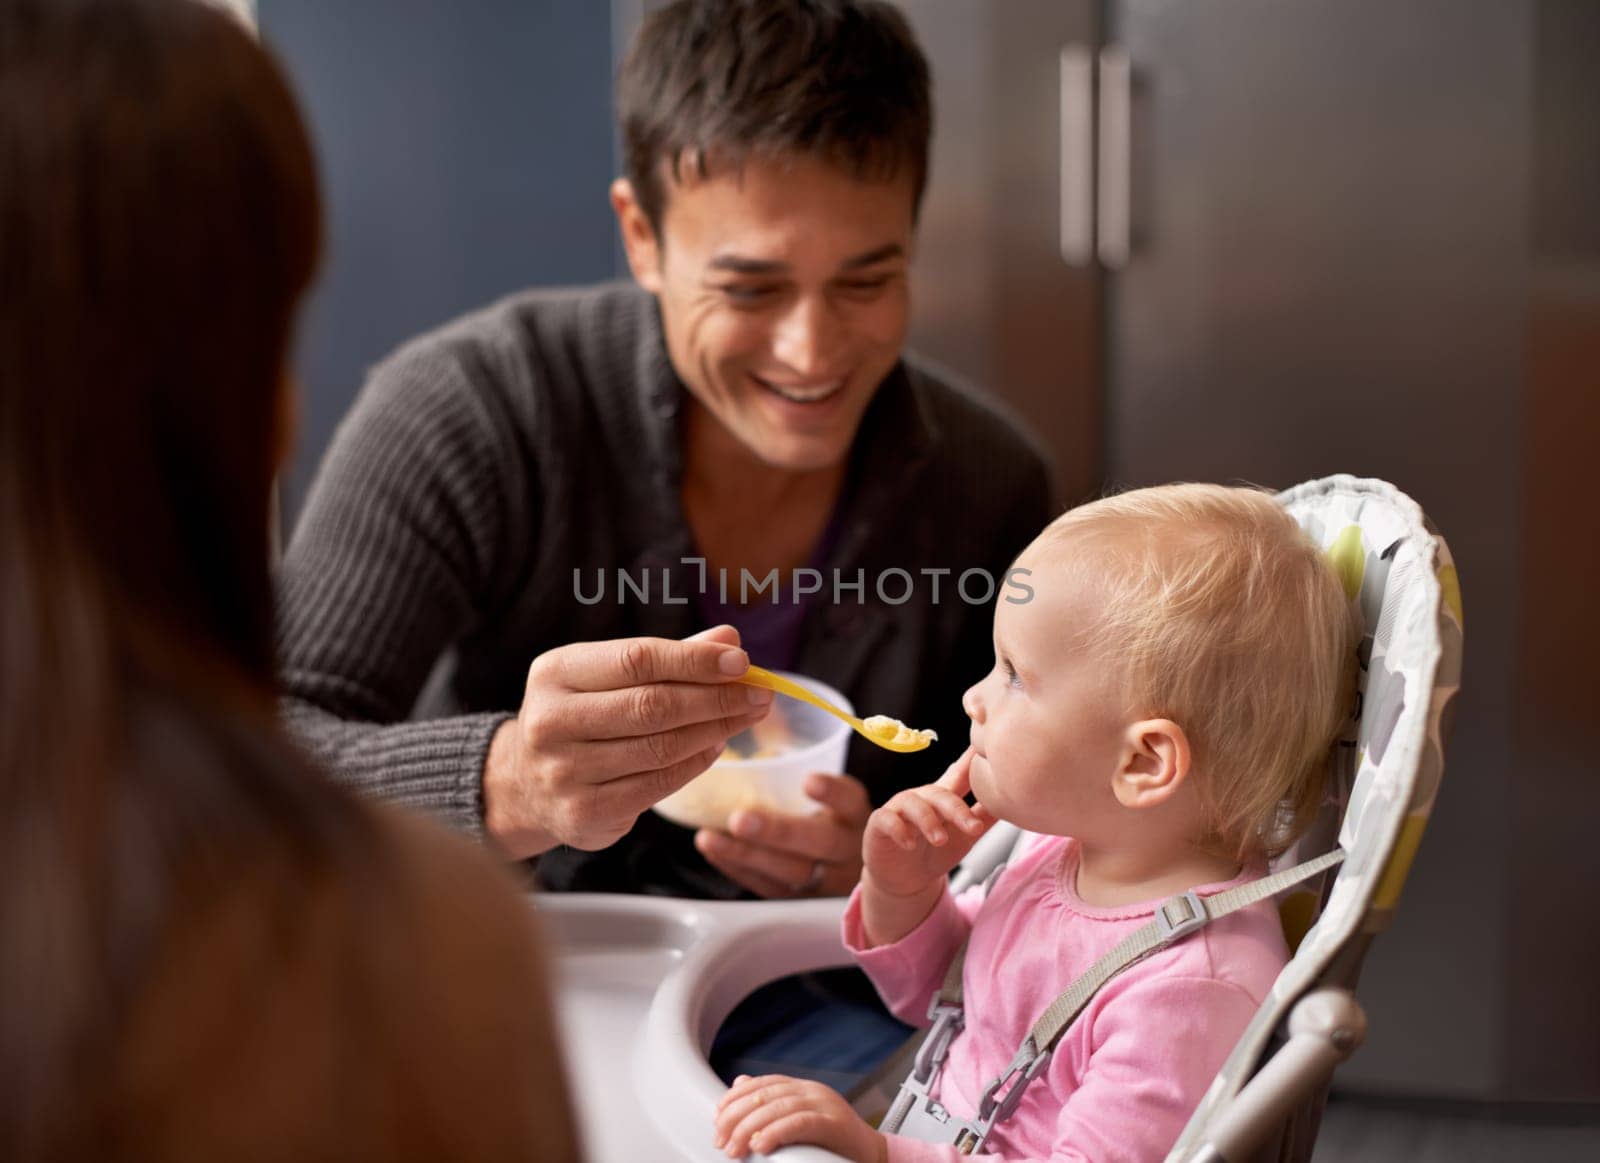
[1179, 916]
[1028, 1064]
[947, 1023]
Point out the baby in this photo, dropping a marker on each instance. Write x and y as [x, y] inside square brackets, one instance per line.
[1159, 711]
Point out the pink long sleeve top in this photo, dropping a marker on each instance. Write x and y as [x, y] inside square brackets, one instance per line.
[1126, 1075]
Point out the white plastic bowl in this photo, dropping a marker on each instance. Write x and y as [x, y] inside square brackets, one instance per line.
[818, 742]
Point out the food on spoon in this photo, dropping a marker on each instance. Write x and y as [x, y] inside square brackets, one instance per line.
[895, 732]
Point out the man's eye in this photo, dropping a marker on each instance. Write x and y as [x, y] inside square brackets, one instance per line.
[864, 288]
[746, 293]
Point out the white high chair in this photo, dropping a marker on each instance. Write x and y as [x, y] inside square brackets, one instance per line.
[644, 982]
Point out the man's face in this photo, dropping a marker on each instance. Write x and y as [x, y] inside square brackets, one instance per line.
[783, 296]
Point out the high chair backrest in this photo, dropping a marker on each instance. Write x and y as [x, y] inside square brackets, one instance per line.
[1385, 769]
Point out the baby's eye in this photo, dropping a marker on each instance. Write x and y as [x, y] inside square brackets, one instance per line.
[1012, 678]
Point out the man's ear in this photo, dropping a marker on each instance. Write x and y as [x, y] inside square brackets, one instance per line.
[639, 240]
[1154, 764]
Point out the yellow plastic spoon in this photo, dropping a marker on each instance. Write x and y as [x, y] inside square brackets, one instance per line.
[890, 734]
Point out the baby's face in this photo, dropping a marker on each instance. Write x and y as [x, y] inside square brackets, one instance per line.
[1047, 724]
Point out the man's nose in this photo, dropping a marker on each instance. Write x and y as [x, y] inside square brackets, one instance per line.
[807, 337]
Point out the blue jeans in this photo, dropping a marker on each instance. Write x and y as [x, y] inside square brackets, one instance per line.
[829, 1027]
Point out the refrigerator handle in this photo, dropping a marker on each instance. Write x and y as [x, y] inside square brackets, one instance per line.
[1077, 155]
[1115, 171]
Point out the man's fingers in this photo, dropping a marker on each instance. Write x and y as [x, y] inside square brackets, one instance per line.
[765, 887]
[651, 767]
[656, 707]
[725, 634]
[844, 795]
[810, 836]
[629, 662]
[740, 859]
[611, 807]
[646, 756]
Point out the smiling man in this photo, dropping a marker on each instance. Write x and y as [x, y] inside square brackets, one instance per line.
[742, 410]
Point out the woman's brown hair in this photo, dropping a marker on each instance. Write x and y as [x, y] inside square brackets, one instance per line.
[159, 222]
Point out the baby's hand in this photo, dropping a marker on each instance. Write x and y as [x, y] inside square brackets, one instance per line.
[920, 835]
[765, 1113]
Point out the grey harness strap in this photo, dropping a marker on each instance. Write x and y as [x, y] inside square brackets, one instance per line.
[916, 1114]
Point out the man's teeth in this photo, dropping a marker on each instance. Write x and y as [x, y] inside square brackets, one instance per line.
[806, 395]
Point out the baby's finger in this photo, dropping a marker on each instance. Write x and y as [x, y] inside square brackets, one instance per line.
[770, 1104]
[957, 778]
[745, 1095]
[736, 1090]
[803, 1126]
[922, 815]
[953, 808]
[891, 824]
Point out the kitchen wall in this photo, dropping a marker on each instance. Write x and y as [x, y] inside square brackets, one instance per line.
[465, 150]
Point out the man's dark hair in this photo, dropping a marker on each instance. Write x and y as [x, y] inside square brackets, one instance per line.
[711, 82]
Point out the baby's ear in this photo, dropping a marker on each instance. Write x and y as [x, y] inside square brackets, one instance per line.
[1153, 765]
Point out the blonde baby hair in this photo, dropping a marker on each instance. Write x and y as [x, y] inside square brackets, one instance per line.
[1222, 615]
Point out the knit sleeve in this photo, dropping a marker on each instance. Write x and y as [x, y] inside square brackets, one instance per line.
[397, 554]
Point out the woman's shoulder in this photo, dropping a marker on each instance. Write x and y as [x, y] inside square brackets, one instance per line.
[441, 929]
[475, 1005]
[455, 888]
[383, 998]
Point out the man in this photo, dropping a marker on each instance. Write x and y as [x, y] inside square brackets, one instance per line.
[449, 636]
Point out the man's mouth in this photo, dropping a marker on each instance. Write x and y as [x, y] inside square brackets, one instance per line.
[803, 393]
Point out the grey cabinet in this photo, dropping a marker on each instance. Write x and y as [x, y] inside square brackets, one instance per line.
[994, 300]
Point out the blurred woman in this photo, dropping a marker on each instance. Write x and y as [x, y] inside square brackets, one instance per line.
[206, 950]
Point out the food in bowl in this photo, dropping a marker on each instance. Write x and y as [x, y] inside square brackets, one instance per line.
[766, 766]
[766, 740]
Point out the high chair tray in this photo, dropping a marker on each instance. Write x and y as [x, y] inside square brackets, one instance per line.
[641, 985]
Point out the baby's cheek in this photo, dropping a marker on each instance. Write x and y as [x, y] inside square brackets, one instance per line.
[982, 777]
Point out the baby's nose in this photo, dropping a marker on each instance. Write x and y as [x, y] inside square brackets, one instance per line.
[972, 703]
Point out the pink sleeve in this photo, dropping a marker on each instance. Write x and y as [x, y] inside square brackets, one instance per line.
[907, 973]
[1155, 1051]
